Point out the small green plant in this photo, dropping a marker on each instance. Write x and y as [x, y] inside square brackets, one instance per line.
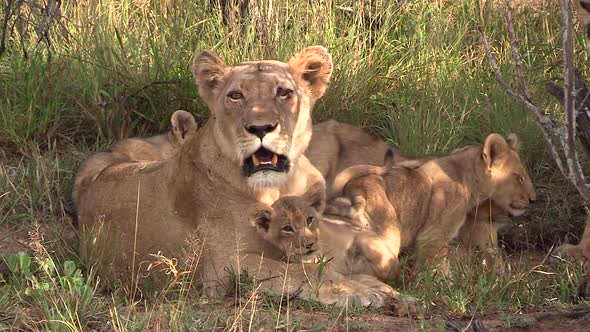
[64, 294]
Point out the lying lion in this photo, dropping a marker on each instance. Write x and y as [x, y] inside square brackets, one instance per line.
[336, 146]
[425, 207]
[160, 147]
[250, 150]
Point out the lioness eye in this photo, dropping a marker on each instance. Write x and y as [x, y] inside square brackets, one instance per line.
[288, 229]
[310, 220]
[235, 95]
[284, 93]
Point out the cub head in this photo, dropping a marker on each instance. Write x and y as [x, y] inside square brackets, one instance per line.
[512, 188]
[291, 223]
[183, 126]
[262, 109]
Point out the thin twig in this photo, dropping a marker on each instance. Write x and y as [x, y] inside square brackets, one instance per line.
[7, 14]
[577, 177]
[515, 51]
[547, 125]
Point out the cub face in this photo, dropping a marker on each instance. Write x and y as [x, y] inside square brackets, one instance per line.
[262, 109]
[512, 187]
[291, 223]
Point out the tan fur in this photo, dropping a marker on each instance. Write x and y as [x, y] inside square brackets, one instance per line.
[159, 147]
[425, 207]
[295, 231]
[336, 146]
[580, 251]
[480, 232]
[203, 188]
[290, 225]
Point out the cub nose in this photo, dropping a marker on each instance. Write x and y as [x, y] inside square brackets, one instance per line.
[261, 131]
[532, 196]
[309, 246]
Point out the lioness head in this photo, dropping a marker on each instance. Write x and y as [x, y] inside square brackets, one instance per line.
[291, 223]
[262, 109]
[512, 188]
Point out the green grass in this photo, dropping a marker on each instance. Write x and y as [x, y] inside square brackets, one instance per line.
[420, 80]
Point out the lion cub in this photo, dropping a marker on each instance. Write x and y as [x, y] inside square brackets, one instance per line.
[291, 224]
[294, 225]
[425, 207]
[159, 147]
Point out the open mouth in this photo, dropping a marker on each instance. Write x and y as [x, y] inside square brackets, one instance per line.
[265, 160]
[517, 210]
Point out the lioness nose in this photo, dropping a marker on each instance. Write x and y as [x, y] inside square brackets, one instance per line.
[261, 131]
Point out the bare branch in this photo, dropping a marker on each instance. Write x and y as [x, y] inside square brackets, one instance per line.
[576, 175]
[7, 14]
[515, 51]
[548, 127]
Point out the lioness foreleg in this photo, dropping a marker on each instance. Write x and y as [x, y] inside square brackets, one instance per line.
[312, 282]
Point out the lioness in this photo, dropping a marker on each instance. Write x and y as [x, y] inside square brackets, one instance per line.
[426, 206]
[250, 150]
[182, 127]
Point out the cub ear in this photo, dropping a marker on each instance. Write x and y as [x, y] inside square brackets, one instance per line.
[316, 196]
[260, 216]
[183, 124]
[494, 147]
[513, 142]
[209, 71]
[314, 65]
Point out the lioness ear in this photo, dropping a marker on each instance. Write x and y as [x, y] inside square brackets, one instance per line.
[494, 147]
[316, 196]
[260, 216]
[209, 71]
[514, 142]
[314, 65]
[183, 124]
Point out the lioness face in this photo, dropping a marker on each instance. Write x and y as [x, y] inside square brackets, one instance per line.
[263, 109]
[511, 183]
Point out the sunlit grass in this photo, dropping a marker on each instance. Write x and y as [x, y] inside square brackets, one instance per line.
[413, 72]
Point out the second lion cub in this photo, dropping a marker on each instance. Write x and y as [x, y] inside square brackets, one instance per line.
[426, 206]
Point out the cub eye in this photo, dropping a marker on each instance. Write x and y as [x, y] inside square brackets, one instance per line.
[288, 229]
[235, 95]
[519, 177]
[310, 220]
[284, 93]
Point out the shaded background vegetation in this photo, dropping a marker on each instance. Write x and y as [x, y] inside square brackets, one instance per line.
[76, 76]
